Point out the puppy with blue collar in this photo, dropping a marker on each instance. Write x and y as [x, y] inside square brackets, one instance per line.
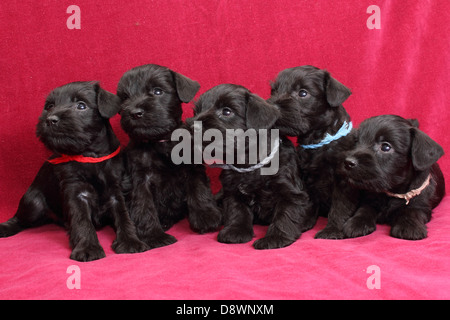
[254, 191]
[310, 101]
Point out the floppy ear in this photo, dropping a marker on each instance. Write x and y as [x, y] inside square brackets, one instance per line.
[107, 102]
[424, 150]
[186, 88]
[414, 122]
[336, 92]
[260, 114]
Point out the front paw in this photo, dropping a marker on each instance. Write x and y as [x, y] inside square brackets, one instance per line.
[272, 242]
[159, 239]
[329, 232]
[416, 231]
[129, 246]
[87, 252]
[235, 235]
[358, 227]
[205, 221]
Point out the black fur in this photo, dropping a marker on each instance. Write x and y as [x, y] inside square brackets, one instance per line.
[310, 101]
[392, 154]
[158, 192]
[278, 200]
[80, 196]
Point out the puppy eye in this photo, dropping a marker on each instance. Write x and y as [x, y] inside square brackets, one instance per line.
[303, 93]
[49, 106]
[227, 112]
[157, 91]
[81, 105]
[385, 147]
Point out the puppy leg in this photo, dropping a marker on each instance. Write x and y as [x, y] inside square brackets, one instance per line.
[79, 200]
[10, 227]
[145, 217]
[33, 209]
[238, 224]
[127, 240]
[362, 223]
[410, 224]
[292, 214]
[282, 232]
[204, 214]
[344, 202]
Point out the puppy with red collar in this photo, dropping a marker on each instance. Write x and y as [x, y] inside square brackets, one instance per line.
[80, 185]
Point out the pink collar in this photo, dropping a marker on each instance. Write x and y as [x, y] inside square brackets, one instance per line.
[411, 194]
[80, 158]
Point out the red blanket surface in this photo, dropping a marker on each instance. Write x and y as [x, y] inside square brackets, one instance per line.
[401, 68]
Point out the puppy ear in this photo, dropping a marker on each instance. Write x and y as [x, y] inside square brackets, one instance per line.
[186, 88]
[414, 122]
[107, 102]
[424, 150]
[336, 92]
[260, 114]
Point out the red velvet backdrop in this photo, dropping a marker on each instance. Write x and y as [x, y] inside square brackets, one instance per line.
[401, 68]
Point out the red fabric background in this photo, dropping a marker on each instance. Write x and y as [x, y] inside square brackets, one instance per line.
[402, 68]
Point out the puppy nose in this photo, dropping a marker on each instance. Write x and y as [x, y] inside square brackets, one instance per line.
[52, 120]
[350, 163]
[138, 113]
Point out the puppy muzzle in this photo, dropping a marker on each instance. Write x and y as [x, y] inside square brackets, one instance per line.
[52, 120]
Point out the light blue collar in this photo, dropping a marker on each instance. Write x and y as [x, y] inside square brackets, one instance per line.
[257, 166]
[342, 132]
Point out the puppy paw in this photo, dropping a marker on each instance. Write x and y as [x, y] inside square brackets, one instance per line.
[6, 231]
[234, 235]
[159, 240]
[358, 227]
[203, 222]
[129, 246]
[9, 228]
[87, 252]
[409, 231]
[331, 233]
[272, 242]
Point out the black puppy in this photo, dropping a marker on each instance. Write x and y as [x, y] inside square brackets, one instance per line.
[160, 193]
[310, 101]
[275, 197]
[80, 185]
[394, 165]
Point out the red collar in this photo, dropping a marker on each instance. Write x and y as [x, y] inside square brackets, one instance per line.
[79, 158]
